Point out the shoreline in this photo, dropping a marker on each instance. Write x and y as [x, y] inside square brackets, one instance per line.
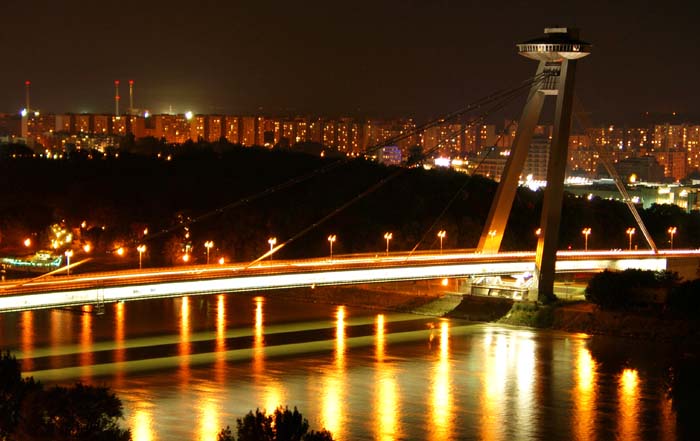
[424, 298]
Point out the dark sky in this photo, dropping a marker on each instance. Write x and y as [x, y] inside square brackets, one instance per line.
[414, 58]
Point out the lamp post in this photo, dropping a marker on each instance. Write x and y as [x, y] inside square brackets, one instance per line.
[141, 248]
[538, 232]
[586, 232]
[208, 245]
[272, 241]
[672, 232]
[331, 239]
[68, 254]
[630, 232]
[441, 235]
[388, 237]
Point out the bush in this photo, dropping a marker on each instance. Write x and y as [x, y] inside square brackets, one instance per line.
[282, 425]
[629, 289]
[684, 299]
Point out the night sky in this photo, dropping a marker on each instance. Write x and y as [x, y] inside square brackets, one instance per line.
[358, 58]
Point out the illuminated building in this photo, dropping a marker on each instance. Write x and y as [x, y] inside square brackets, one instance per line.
[232, 129]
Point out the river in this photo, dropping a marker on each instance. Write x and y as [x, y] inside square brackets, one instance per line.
[184, 368]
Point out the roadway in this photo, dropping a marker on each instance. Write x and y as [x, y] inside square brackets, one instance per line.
[78, 289]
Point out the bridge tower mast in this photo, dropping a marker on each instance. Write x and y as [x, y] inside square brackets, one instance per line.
[557, 52]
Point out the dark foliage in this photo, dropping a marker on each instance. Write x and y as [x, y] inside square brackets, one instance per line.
[627, 289]
[684, 299]
[684, 388]
[13, 390]
[28, 411]
[282, 425]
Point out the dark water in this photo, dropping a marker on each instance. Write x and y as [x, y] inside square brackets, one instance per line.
[184, 368]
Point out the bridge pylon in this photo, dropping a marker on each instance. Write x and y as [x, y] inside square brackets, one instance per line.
[557, 52]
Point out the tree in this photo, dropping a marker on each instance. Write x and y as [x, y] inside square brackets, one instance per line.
[81, 412]
[282, 425]
[13, 389]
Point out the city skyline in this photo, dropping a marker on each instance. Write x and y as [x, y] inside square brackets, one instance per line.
[392, 58]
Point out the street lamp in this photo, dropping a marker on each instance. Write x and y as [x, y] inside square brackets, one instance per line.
[272, 241]
[141, 249]
[120, 251]
[630, 232]
[331, 239]
[672, 232]
[538, 232]
[586, 231]
[68, 254]
[441, 234]
[388, 237]
[27, 242]
[87, 247]
[208, 245]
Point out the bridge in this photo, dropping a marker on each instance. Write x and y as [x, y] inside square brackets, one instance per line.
[130, 285]
[557, 53]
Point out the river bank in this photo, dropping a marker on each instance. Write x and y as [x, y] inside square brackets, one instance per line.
[426, 298]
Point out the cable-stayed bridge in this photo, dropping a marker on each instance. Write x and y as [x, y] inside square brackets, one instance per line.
[101, 288]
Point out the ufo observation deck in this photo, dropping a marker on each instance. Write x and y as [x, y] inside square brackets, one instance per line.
[556, 44]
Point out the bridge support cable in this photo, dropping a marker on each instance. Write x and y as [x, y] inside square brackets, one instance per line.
[605, 158]
[479, 103]
[461, 189]
[372, 188]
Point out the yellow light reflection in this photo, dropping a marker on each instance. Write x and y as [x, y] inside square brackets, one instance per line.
[220, 360]
[493, 387]
[628, 392]
[258, 338]
[208, 424]
[86, 354]
[380, 338]
[386, 400]
[441, 389]
[525, 374]
[119, 350]
[585, 395]
[273, 396]
[340, 336]
[27, 340]
[333, 392]
[142, 424]
[185, 347]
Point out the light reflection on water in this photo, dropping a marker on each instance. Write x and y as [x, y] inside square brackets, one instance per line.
[585, 395]
[358, 374]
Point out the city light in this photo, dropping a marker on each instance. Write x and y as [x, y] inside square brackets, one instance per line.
[331, 239]
[538, 232]
[27, 242]
[87, 247]
[69, 254]
[672, 232]
[121, 252]
[441, 235]
[586, 232]
[388, 237]
[141, 249]
[630, 232]
[208, 245]
[272, 241]
[189, 115]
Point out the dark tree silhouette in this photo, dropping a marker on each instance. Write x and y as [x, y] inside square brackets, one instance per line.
[282, 425]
